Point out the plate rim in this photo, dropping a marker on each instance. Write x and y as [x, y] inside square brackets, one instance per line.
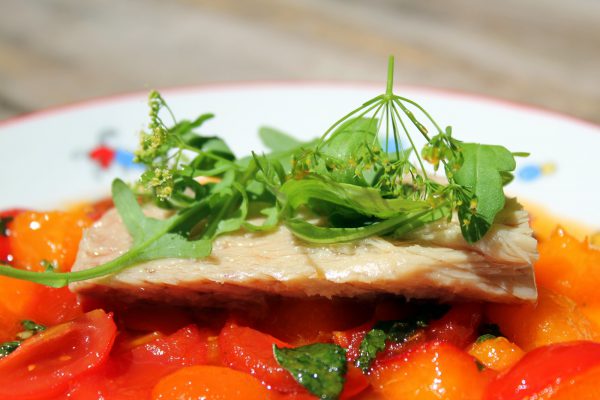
[237, 85]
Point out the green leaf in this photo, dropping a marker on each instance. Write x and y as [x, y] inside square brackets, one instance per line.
[271, 221]
[325, 235]
[349, 139]
[276, 140]
[372, 344]
[319, 367]
[8, 347]
[485, 337]
[363, 200]
[32, 326]
[152, 239]
[482, 175]
[392, 331]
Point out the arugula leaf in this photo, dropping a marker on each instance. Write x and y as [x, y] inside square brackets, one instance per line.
[362, 200]
[152, 239]
[276, 140]
[319, 367]
[324, 235]
[482, 175]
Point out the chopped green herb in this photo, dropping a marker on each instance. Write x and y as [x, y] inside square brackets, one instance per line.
[49, 266]
[8, 347]
[392, 331]
[319, 367]
[485, 337]
[480, 365]
[382, 333]
[364, 176]
[32, 326]
[487, 332]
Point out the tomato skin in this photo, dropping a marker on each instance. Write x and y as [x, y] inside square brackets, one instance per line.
[541, 369]
[44, 365]
[458, 326]
[5, 246]
[351, 340]
[248, 350]
[131, 373]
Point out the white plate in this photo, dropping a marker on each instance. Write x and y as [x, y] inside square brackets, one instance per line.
[45, 158]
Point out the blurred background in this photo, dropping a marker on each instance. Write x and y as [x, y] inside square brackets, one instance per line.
[540, 52]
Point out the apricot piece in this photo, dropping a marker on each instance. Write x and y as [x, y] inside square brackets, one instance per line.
[497, 353]
[18, 296]
[569, 267]
[52, 237]
[209, 383]
[553, 319]
[432, 371]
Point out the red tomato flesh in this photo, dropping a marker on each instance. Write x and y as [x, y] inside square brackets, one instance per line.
[248, 350]
[543, 368]
[131, 374]
[44, 365]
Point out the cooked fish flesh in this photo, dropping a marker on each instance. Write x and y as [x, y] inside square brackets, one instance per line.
[434, 262]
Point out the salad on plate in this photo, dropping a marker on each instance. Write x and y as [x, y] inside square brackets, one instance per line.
[381, 260]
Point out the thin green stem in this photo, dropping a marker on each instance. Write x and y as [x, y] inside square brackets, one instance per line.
[347, 116]
[225, 209]
[397, 140]
[411, 142]
[429, 117]
[420, 127]
[390, 78]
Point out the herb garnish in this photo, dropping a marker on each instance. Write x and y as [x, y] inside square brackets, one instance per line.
[319, 367]
[365, 176]
[30, 329]
[399, 331]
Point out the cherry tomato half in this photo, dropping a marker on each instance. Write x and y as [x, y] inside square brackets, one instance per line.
[44, 365]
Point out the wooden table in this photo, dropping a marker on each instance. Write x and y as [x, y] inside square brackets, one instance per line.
[541, 52]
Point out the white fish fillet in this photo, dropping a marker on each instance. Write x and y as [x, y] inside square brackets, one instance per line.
[436, 262]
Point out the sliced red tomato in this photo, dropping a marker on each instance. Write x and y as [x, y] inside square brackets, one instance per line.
[5, 247]
[248, 350]
[131, 374]
[356, 382]
[458, 326]
[544, 368]
[44, 365]
[351, 340]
